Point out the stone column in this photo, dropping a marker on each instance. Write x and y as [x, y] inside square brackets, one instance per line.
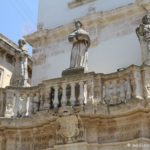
[146, 82]
[15, 108]
[45, 98]
[36, 102]
[72, 98]
[64, 99]
[2, 103]
[81, 97]
[2, 139]
[28, 106]
[10, 139]
[85, 93]
[55, 102]
[138, 84]
[25, 71]
[90, 98]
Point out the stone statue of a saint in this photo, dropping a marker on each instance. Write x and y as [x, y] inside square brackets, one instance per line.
[81, 42]
[143, 33]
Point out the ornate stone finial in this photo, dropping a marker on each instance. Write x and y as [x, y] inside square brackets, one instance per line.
[81, 42]
[22, 45]
[143, 33]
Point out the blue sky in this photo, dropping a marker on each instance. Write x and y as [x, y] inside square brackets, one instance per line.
[18, 18]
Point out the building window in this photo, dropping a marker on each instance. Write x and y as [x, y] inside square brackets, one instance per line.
[9, 59]
[77, 3]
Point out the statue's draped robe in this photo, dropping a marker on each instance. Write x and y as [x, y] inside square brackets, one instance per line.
[79, 54]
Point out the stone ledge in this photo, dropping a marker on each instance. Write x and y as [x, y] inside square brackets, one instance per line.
[73, 146]
[77, 3]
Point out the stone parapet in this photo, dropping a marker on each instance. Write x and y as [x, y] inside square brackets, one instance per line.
[93, 92]
[81, 111]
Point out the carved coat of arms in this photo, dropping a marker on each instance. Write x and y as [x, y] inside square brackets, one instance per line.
[68, 127]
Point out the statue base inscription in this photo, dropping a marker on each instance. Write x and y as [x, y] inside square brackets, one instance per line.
[73, 71]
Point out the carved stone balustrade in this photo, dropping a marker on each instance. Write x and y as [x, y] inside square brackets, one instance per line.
[87, 89]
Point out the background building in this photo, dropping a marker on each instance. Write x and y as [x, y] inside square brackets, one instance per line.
[11, 57]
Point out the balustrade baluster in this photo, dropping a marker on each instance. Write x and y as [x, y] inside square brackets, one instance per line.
[72, 98]
[81, 97]
[55, 102]
[64, 98]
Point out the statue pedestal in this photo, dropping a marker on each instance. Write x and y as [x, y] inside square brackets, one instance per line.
[73, 146]
[73, 71]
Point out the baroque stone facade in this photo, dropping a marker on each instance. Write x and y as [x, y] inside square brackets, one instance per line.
[88, 111]
[85, 111]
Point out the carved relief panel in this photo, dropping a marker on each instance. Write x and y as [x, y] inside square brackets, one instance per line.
[116, 91]
[10, 103]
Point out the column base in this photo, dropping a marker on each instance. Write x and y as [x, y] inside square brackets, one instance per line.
[73, 71]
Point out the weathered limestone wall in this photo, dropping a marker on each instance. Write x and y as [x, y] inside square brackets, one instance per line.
[112, 36]
[68, 10]
[129, 131]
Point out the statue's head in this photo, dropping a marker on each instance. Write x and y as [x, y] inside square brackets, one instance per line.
[78, 24]
[21, 43]
[146, 19]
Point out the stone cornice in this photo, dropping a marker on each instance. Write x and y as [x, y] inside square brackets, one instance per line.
[98, 19]
[9, 42]
[77, 3]
[11, 48]
[45, 118]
